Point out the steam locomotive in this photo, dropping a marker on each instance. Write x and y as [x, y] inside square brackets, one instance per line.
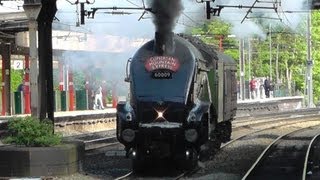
[182, 97]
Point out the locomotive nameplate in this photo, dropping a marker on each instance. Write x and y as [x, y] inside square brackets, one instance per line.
[162, 62]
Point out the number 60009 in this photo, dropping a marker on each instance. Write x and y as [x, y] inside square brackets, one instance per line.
[162, 75]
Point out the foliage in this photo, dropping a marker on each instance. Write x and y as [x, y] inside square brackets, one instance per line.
[79, 80]
[56, 79]
[284, 47]
[32, 132]
[109, 99]
[214, 32]
[16, 79]
[316, 54]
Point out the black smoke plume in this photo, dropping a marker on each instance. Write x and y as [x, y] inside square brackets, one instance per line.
[165, 14]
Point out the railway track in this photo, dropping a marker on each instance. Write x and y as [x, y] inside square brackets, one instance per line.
[182, 175]
[125, 176]
[106, 138]
[96, 142]
[99, 143]
[286, 157]
[272, 120]
[263, 116]
[252, 130]
[187, 174]
[247, 145]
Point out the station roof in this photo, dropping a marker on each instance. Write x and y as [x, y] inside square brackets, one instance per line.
[12, 23]
[15, 22]
[14, 29]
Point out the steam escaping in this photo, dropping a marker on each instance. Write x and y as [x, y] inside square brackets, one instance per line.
[165, 14]
[283, 16]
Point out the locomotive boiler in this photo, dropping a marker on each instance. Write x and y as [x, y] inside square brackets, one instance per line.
[182, 97]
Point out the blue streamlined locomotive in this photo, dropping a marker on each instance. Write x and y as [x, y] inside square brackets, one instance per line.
[182, 97]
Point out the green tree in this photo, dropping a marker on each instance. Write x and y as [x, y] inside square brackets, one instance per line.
[288, 51]
[211, 33]
[316, 54]
[16, 79]
[79, 80]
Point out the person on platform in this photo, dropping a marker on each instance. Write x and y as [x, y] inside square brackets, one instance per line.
[98, 103]
[267, 87]
[20, 87]
[261, 89]
[253, 88]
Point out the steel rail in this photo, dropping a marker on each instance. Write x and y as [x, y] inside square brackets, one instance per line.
[125, 176]
[240, 125]
[187, 173]
[307, 156]
[268, 149]
[264, 129]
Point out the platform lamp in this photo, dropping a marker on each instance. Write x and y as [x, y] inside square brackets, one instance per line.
[32, 9]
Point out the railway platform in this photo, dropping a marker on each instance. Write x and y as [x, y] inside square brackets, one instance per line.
[61, 116]
[75, 122]
[277, 104]
[86, 121]
[244, 108]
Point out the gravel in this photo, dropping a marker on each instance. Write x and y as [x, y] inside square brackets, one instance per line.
[233, 161]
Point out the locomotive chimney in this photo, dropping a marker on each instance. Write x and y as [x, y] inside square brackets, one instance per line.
[163, 43]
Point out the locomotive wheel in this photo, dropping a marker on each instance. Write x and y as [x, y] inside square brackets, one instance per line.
[215, 141]
[138, 162]
[184, 163]
[188, 164]
[210, 148]
[191, 162]
[137, 165]
[225, 129]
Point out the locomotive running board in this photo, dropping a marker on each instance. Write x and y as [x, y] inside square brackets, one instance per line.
[169, 125]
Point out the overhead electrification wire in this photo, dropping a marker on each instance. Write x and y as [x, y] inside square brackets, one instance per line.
[190, 18]
[69, 25]
[184, 24]
[132, 3]
[249, 11]
[76, 2]
[285, 16]
[276, 6]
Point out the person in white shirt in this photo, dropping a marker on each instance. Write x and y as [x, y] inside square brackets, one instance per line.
[98, 103]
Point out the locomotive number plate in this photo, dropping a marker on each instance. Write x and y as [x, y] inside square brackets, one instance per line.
[162, 75]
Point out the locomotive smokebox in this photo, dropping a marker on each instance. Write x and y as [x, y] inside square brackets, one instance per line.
[163, 43]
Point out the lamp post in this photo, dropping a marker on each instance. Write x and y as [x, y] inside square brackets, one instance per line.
[270, 52]
[249, 64]
[309, 63]
[46, 94]
[32, 9]
[242, 69]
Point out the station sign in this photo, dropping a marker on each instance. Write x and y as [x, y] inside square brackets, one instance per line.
[17, 65]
